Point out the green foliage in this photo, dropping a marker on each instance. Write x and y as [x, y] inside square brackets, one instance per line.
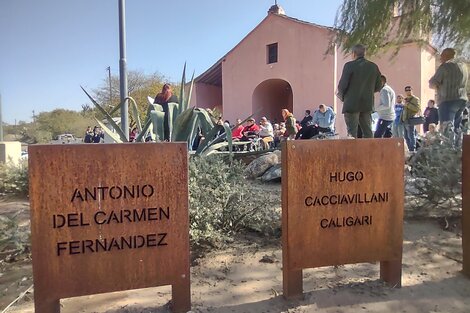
[120, 136]
[48, 125]
[14, 179]
[223, 203]
[34, 134]
[375, 24]
[140, 85]
[437, 175]
[14, 240]
[184, 123]
[62, 121]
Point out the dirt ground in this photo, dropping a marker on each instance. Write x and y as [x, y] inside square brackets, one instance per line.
[247, 277]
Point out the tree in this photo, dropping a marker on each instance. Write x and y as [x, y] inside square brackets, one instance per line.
[86, 109]
[140, 86]
[382, 24]
[48, 125]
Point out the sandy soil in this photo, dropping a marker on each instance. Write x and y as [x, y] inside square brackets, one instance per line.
[247, 277]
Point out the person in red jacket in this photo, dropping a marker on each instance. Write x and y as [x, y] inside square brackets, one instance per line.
[237, 132]
[250, 131]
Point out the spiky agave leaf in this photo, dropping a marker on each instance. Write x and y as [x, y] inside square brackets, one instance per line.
[115, 109]
[109, 132]
[209, 139]
[157, 121]
[135, 113]
[205, 121]
[145, 129]
[183, 82]
[184, 126]
[186, 101]
[228, 135]
[109, 118]
[150, 100]
[215, 144]
[172, 115]
[212, 139]
[214, 147]
[174, 108]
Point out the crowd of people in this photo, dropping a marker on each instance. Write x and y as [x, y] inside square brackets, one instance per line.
[269, 135]
[398, 116]
[94, 136]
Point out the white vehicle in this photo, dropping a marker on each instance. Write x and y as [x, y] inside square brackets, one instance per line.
[24, 155]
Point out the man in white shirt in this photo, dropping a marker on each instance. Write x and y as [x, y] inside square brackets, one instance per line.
[266, 129]
[386, 110]
[266, 133]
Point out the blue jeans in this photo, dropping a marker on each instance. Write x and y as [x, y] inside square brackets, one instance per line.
[410, 136]
[383, 129]
[398, 130]
[451, 111]
[450, 118]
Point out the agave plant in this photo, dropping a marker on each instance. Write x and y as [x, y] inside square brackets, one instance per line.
[185, 123]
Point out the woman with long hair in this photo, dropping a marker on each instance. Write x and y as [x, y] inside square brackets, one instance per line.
[163, 98]
[289, 119]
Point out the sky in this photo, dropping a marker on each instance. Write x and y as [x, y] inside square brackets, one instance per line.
[49, 48]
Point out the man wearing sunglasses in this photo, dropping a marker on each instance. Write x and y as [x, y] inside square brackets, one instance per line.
[411, 109]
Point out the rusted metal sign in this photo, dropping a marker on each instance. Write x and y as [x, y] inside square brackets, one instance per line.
[342, 203]
[466, 205]
[103, 223]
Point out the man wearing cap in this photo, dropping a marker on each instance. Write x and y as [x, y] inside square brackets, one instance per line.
[450, 82]
[359, 81]
[412, 108]
[251, 130]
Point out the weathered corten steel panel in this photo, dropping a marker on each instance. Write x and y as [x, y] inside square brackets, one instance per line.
[466, 205]
[342, 202]
[107, 218]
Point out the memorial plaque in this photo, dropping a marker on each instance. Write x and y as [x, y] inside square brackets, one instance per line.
[342, 203]
[466, 205]
[108, 218]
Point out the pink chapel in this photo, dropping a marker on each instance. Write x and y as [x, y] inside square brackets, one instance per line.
[282, 63]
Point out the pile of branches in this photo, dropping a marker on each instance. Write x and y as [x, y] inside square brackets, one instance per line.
[436, 177]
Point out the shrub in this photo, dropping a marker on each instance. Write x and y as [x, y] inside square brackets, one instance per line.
[437, 176]
[223, 203]
[14, 179]
[14, 239]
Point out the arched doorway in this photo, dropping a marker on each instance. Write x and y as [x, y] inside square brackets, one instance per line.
[270, 97]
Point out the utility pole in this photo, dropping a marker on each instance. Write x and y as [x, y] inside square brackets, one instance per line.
[123, 69]
[110, 88]
[1, 120]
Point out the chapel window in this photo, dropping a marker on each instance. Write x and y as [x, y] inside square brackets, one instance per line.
[271, 51]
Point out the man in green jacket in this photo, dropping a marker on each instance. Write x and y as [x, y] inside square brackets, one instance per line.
[411, 109]
[356, 88]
